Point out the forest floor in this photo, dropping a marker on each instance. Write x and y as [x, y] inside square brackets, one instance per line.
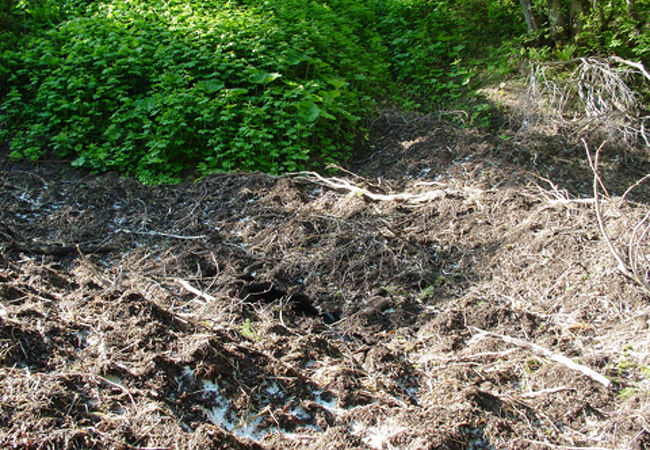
[425, 297]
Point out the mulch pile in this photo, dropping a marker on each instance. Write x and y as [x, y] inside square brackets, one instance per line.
[403, 303]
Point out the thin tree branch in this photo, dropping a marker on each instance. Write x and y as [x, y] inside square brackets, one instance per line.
[636, 65]
[188, 287]
[548, 354]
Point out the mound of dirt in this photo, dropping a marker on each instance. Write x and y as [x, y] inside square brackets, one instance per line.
[452, 290]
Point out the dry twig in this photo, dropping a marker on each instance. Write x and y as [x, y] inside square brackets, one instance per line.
[548, 354]
[595, 94]
[630, 268]
[545, 392]
[160, 233]
[412, 198]
[188, 287]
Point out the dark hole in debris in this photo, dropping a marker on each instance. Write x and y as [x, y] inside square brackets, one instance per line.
[475, 438]
[264, 292]
[330, 317]
[267, 292]
[301, 304]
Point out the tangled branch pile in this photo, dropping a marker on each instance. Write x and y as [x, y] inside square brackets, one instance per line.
[595, 95]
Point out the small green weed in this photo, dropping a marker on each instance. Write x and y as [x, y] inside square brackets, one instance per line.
[431, 289]
[531, 365]
[247, 330]
[426, 292]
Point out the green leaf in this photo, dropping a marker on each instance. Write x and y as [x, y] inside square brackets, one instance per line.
[308, 111]
[264, 77]
[148, 104]
[210, 86]
[329, 96]
[338, 84]
[79, 162]
[327, 115]
[234, 92]
[294, 58]
[350, 117]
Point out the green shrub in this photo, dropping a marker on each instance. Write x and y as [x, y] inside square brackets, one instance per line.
[159, 88]
[162, 88]
[430, 44]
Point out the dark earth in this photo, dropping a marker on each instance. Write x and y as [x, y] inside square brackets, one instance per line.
[372, 308]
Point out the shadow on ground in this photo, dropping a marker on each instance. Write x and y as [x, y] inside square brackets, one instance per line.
[252, 311]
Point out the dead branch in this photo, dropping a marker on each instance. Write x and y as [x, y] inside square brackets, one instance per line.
[58, 249]
[595, 94]
[412, 198]
[117, 385]
[188, 287]
[160, 233]
[638, 66]
[634, 186]
[633, 245]
[546, 353]
[545, 392]
[629, 268]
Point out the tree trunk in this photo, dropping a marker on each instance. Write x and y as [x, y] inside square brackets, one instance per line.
[531, 23]
[577, 10]
[556, 20]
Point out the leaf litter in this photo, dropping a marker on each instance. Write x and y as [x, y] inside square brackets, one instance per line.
[384, 307]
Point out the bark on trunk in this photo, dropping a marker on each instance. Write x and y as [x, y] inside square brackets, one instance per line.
[531, 23]
[577, 10]
[556, 20]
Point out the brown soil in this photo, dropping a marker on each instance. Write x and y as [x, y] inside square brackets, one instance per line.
[250, 311]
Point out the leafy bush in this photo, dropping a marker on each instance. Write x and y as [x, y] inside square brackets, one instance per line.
[430, 43]
[18, 17]
[158, 88]
[610, 28]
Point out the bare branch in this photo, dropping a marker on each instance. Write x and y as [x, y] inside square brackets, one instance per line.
[636, 65]
[548, 354]
[188, 287]
[629, 268]
[412, 198]
[635, 185]
[595, 95]
[160, 233]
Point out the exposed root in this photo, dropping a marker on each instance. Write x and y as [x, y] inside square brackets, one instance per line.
[414, 198]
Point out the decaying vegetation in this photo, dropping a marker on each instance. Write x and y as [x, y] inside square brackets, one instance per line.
[480, 286]
[453, 290]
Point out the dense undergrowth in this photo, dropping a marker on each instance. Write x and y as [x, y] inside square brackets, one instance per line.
[156, 88]
[159, 89]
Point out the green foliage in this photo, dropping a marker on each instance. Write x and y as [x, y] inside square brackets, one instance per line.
[431, 42]
[610, 28]
[158, 88]
[246, 329]
[606, 27]
[18, 17]
[424, 49]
